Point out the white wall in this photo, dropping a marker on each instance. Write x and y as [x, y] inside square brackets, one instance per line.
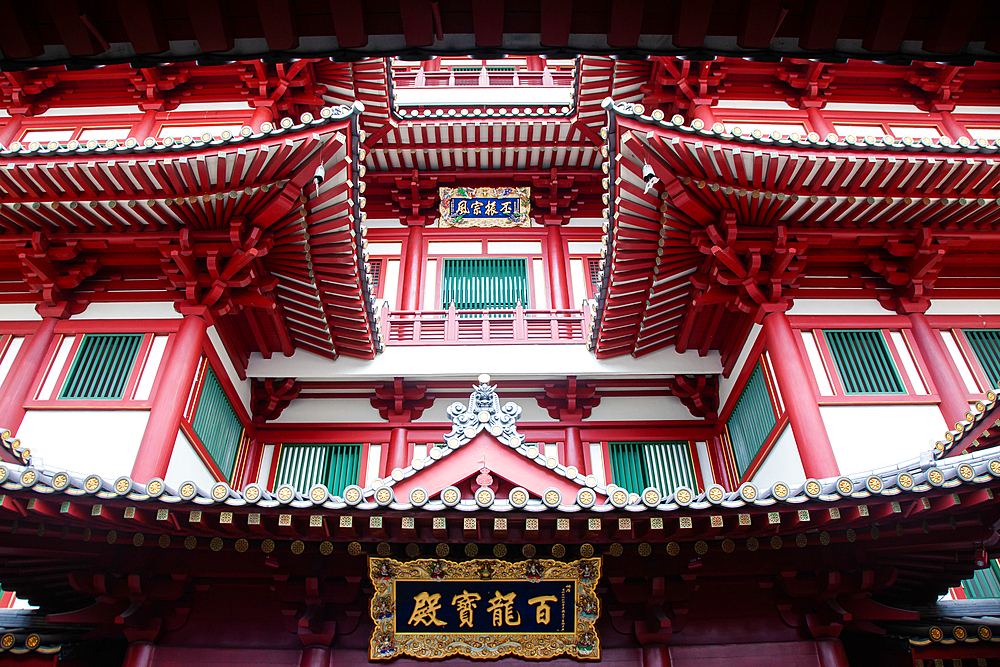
[242, 386]
[964, 307]
[638, 408]
[782, 463]
[837, 307]
[727, 384]
[141, 310]
[185, 465]
[329, 410]
[866, 437]
[13, 312]
[104, 442]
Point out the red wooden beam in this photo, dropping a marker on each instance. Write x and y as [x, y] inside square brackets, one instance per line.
[821, 25]
[144, 25]
[348, 23]
[277, 21]
[691, 22]
[556, 19]
[19, 36]
[73, 30]
[887, 22]
[758, 23]
[625, 23]
[418, 22]
[212, 25]
[487, 21]
[949, 24]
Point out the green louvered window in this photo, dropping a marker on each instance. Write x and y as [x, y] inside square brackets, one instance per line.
[304, 466]
[985, 583]
[102, 366]
[986, 344]
[217, 425]
[751, 421]
[484, 283]
[864, 362]
[662, 465]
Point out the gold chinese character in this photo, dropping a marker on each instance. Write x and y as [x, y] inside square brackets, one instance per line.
[491, 207]
[505, 208]
[502, 607]
[477, 207]
[462, 208]
[542, 611]
[465, 602]
[425, 610]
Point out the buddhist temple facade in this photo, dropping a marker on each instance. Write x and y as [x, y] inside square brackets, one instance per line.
[424, 333]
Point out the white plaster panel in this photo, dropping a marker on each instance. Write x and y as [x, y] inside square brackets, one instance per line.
[513, 247]
[705, 463]
[584, 247]
[867, 437]
[18, 312]
[186, 466]
[390, 289]
[837, 307]
[584, 222]
[104, 442]
[374, 459]
[10, 354]
[430, 288]
[577, 281]
[551, 450]
[640, 408]
[964, 307]
[329, 410]
[727, 384]
[538, 278]
[52, 375]
[782, 463]
[500, 361]
[141, 310]
[530, 411]
[455, 248]
[597, 463]
[150, 368]
[385, 248]
[242, 386]
[963, 367]
[909, 365]
[816, 361]
[266, 457]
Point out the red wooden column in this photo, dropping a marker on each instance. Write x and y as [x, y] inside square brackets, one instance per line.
[703, 111]
[138, 654]
[144, 128]
[252, 466]
[820, 124]
[574, 454]
[655, 655]
[315, 656]
[719, 468]
[10, 131]
[399, 449]
[794, 381]
[413, 263]
[168, 404]
[261, 114]
[953, 128]
[556, 251]
[22, 374]
[831, 653]
[940, 365]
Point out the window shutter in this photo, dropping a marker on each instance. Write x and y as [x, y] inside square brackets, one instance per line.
[376, 273]
[751, 421]
[217, 425]
[662, 465]
[594, 270]
[864, 362]
[985, 344]
[484, 283]
[304, 466]
[102, 366]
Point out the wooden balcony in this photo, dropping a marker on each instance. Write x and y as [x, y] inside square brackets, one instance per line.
[516, 326]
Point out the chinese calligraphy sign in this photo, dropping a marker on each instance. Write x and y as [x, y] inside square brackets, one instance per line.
[485, 608]
[485, 207]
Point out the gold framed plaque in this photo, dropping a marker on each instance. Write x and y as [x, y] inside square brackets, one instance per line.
[485, 207]
[484, 608]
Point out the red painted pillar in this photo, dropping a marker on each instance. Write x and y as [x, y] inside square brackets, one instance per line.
[261, 115]
[21, 378]
[953, 128]
[574, 454]
[139, 654]
[432, 65]
[252, 466]
[315, 656]
[168, 404]
[12, 130]
[831, 653]
[796, 388]
[144, 128]
[702, 111]
[942, 369]
[655, 656]
[413, 265]
[399, 449]
[820, 124]
[719, 468]
[558, 280]
[535, 63]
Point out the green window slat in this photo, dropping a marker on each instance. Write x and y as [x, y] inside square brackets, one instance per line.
[303, 466]
[985, 345]
[484, 283]
[662, 465]
[864, 362]
[751, 421]
[217, 425]
[102, 366]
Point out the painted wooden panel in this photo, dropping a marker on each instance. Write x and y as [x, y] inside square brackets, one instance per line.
[102, 367]
[303, 466]
[662, 465]
[217, 425]
[482, 283]
[986, 344]
[751, 421]
[864, 362]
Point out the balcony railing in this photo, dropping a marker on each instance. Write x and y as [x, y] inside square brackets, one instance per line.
[418, 78]
[483, 327]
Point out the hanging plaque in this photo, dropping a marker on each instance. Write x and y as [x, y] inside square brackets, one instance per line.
[484, 608]
[485, 207]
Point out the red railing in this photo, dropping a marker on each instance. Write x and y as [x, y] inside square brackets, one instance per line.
[417, 78]
[483, 327]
